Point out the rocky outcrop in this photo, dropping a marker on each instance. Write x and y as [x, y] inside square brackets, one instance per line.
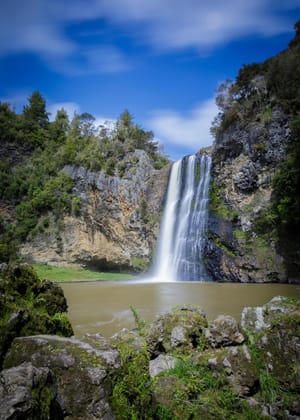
[82, 372]
[181, 328]
[27, 392]
[30, 306]
[224, 331]
[117, 224]
[245, 157]
[180, 366]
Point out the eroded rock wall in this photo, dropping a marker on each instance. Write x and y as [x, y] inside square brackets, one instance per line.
[117, 224]
[245, 158]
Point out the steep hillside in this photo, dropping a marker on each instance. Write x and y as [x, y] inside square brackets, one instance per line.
[117, 224]
[255, 194]
[76, 194]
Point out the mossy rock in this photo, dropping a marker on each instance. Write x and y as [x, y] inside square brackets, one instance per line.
[182, 328]
[82, 371]
[30, 306]
[279, 349]
[27, 392]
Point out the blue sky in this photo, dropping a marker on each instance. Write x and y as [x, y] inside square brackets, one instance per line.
[160, 59]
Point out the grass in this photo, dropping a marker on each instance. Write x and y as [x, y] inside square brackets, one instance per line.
[68, 274]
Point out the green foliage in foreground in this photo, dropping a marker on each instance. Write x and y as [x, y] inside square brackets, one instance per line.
[30, 306]
[194, 389]
[68, 274]
[131, 396]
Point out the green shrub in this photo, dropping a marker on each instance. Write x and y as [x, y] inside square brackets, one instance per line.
[131, 396]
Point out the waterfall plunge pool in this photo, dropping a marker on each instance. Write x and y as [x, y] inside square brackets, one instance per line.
[104, 307]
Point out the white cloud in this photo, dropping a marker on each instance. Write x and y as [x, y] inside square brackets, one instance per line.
[197, 23]
[106, 122]
[72, 107]
[28, 26]
[69, 107]
[40, 26]
[191, 130]
[89, 60]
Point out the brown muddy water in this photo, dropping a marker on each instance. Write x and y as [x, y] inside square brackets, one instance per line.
[104, 307]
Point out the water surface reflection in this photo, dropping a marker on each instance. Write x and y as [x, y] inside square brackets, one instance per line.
[104, 307]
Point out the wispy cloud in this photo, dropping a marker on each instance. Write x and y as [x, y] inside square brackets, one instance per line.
[89, 60]
[72, 107]
[190, 130]
[69, 107]
[199, 23]
[42, 27]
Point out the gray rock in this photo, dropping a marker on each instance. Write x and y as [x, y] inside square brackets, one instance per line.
[178, 336]
[256, 319]
[182, 328]
[240, 369]
[161, 364]
[82, 370]
[246, 180]
[224, 331]
[27, 392]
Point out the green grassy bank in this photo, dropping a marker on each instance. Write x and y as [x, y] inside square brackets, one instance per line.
[68, 274]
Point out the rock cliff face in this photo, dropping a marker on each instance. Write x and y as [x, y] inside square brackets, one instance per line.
[117, 224]
[245, 158]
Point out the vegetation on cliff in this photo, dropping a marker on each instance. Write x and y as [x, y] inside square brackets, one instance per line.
[257, 140]
[35, 192]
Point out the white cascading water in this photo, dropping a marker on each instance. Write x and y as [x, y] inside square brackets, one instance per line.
[184, 225]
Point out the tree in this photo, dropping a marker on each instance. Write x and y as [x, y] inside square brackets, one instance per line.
[60, 126]
[35, 120]
[35, 114]
[8, 123]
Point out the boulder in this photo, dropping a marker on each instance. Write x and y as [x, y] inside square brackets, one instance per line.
[239, 367]
[224, 331]
[181, 328]
[161, 364]
[83, 371]
[131, 337]
[257, 319]
[279, 347]
[241, 370]
[27, 392]
[30, 306]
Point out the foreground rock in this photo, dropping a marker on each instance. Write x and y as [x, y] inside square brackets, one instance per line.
[27, 392]
[180, 366]
[81, 370]
[30, 306]
[182, 329]
[224, 331]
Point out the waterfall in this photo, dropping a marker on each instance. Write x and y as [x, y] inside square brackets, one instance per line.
[184, 225]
